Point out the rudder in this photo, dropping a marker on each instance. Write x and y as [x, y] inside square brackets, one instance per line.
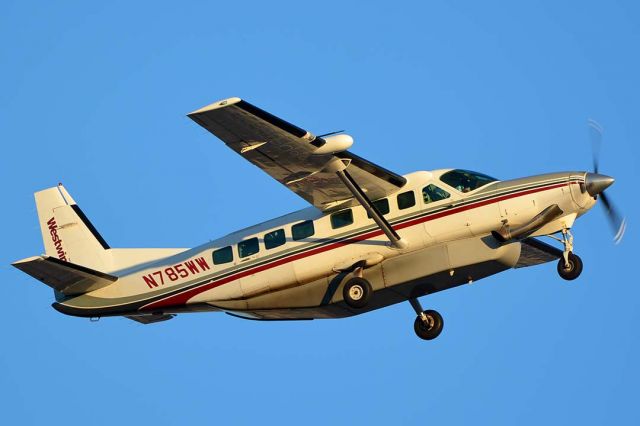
[67, 233]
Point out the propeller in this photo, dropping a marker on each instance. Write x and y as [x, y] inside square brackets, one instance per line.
[597, 183]
[595, 134]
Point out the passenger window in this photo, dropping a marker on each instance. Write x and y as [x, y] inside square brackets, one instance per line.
[248, 247]
[431, 193]
[223, 255]
[302, 230]
[340, 219]
[406, 200]
[382, 205]
[274, 239]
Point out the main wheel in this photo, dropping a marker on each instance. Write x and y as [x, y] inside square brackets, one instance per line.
[573, 270]
[357, 292]
[429, 327]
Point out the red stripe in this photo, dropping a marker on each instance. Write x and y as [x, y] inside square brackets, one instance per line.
[182, 298]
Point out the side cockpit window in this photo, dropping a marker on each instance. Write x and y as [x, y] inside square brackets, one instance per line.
[432, 193]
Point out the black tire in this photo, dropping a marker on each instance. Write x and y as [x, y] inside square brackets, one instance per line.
[357, 292]
[431, 329]
[574, 269]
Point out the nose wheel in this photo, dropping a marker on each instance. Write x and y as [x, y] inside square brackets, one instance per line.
[428, 324]
[569, 265]
[571, 268]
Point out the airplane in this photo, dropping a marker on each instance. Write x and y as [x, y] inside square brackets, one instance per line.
[369, 239]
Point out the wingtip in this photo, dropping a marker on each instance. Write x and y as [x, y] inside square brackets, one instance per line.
[17, 263]
[216, 105]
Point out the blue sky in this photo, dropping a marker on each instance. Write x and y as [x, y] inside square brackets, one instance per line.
[94, 95]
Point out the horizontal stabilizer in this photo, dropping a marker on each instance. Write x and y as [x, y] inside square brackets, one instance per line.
[65, 277]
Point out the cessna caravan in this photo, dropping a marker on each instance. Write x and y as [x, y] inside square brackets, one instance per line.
[369, 239]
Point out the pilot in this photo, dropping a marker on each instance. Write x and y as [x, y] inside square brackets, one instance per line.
[466, 183]
[464, 186]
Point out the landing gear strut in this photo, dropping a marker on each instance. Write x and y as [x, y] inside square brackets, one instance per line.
[428, 324]
[569, 265]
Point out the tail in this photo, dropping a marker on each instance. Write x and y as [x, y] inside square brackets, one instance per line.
[78, 260]
[69, 236]
[67, 233]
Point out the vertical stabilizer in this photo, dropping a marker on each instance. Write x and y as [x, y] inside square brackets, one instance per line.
[67, 233]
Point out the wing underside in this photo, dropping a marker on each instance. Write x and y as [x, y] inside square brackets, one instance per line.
[534, 252]
[286, 153]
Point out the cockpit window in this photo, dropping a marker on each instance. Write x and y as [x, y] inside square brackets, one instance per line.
[432, 193]
[465, 180]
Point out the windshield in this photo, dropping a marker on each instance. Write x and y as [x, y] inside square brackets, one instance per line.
[465, 180]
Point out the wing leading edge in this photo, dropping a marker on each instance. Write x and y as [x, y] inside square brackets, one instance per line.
[287, 153]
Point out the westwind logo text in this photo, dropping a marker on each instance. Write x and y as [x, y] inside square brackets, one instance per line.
[57, 242]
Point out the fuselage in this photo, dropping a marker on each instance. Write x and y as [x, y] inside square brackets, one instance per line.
[296, 262]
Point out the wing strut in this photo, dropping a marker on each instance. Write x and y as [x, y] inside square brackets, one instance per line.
[362, 198]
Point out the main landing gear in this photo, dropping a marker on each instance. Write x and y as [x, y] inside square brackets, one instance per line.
[428, 324]
[357, 291]
[569, 265]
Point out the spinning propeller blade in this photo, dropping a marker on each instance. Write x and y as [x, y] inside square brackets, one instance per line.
[595, 134]
[616, 220]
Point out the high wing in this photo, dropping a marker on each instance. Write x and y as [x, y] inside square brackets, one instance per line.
[289, 154]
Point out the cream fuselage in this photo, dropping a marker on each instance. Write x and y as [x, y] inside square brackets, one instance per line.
[448, 243]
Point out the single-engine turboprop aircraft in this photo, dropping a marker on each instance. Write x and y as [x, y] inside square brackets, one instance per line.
[371, 237]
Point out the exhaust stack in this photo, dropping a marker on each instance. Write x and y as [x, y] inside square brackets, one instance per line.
[545, 216]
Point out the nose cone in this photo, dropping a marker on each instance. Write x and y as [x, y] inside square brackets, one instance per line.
[596, 183]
